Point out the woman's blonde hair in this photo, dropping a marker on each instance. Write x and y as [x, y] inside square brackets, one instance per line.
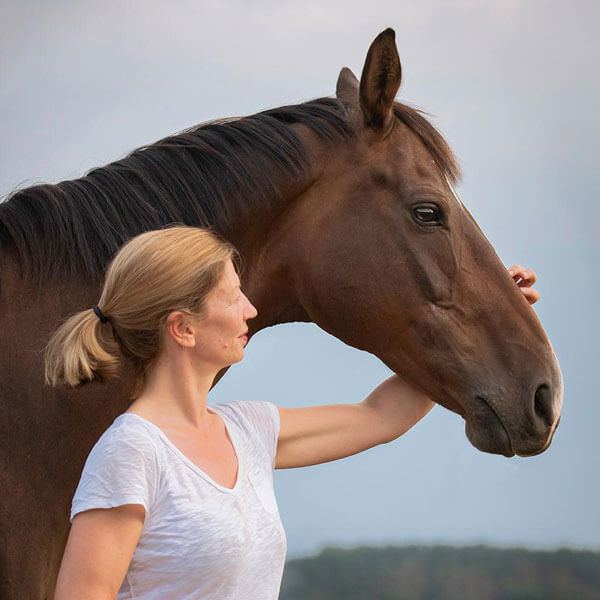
[150, 276]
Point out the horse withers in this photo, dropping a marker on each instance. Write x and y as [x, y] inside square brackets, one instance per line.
[344, 213]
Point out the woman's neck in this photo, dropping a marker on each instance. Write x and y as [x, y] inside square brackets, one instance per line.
[175, 394]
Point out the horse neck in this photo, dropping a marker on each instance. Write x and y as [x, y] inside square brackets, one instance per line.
[268, 244]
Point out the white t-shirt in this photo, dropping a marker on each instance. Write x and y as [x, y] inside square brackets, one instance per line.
[199, 540]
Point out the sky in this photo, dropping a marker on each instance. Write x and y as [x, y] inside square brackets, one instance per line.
[515, 89]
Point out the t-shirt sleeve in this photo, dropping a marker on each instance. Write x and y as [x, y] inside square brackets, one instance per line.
[264, 419]
[120, 469]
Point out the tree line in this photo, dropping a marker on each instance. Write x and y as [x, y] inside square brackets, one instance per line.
[443, 573]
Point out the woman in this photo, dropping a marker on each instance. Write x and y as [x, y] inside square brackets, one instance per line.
[176, 498]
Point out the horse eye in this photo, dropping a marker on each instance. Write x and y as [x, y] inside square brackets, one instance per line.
[427, 214]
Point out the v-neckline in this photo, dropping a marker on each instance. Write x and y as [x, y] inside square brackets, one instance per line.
[190, 463]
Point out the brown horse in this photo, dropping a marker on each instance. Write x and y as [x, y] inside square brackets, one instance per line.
[344, 214]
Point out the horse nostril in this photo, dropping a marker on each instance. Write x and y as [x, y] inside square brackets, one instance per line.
[543, 404]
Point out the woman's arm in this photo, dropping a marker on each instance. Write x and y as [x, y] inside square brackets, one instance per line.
[98, 552]
[318, 434]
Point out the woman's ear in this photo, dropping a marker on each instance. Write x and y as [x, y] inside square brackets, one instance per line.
[181, 329]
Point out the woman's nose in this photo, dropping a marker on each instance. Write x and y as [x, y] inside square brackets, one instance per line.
[250, 311]
[253, 311]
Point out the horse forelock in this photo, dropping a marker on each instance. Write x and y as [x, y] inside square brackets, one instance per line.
[433, 140]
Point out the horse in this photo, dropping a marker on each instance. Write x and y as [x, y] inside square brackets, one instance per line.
[344, 213]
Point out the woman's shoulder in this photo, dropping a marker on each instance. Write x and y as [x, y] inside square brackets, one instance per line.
[129, 427]
[249, 413]
[127, 436]
[121, 468]
[257, 419]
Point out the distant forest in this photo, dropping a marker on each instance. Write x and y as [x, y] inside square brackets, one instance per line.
[443, 573]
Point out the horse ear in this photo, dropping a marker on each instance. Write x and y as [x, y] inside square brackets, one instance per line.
[380, 80]
[347, 86]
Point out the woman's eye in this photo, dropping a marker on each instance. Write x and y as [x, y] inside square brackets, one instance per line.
[427, 214]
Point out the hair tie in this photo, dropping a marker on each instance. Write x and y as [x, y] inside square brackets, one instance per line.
[97, 310]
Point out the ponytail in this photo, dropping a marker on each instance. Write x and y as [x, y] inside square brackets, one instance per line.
[80, 350]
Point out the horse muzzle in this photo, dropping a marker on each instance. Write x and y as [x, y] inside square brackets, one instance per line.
[525, 432]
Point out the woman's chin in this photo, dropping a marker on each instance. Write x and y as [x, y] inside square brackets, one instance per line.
[236, 360]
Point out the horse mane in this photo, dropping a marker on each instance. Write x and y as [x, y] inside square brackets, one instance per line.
[209, 176]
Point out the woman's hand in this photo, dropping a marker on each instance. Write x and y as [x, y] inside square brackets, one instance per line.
[525, 278]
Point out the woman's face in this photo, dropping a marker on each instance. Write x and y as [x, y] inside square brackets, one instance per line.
[221, 339]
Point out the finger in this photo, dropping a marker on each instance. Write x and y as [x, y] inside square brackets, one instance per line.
[515, 271]
[531, 295]
[524, 277]
[528, 278]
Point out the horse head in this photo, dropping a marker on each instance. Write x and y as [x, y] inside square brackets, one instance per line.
[388, 259]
